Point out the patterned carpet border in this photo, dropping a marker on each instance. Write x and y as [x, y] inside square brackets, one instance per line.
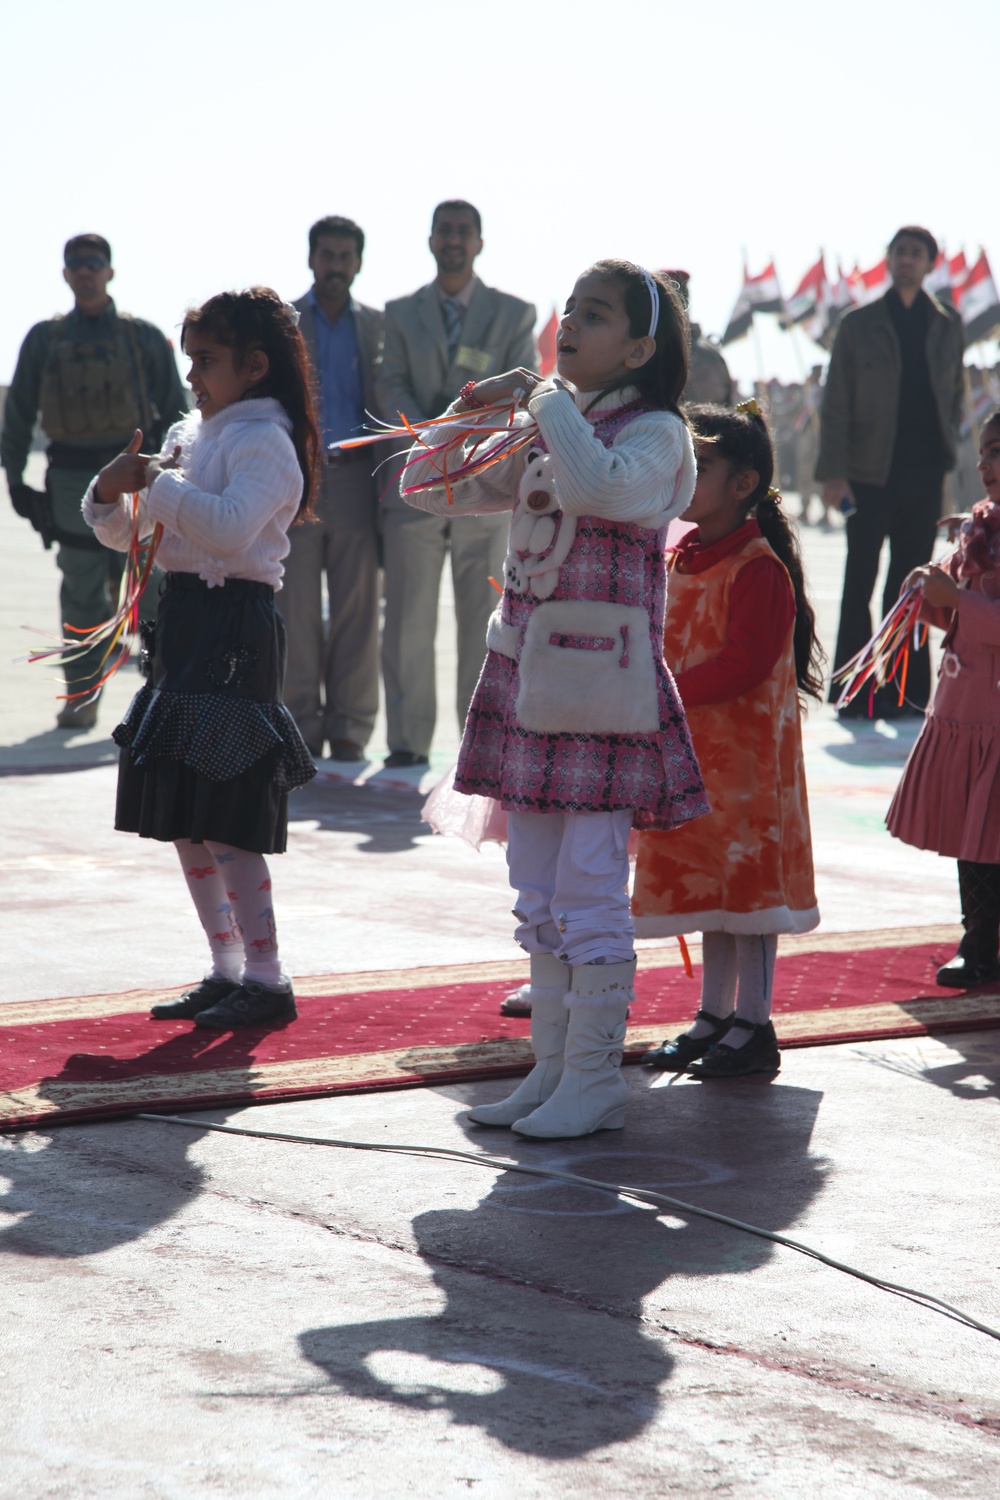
[45, 1077]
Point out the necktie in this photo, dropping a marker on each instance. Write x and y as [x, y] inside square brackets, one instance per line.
[452, 310]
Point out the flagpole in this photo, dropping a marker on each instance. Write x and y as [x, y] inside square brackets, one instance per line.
[755, 335]
[970, 404]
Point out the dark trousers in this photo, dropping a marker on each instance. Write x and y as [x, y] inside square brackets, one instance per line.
[906, 510]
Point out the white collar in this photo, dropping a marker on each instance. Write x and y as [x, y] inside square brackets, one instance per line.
[612, 401]
[255, 409]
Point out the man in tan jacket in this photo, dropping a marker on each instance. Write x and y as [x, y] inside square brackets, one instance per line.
[892, 406]
[446, 334]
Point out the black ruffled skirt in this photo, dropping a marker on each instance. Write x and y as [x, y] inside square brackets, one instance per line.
[208, 750]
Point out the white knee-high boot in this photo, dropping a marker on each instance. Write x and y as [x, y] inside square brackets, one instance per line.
[591, 1094]
[549, 1020]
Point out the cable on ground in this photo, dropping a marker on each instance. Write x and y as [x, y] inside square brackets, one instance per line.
[622, 1190]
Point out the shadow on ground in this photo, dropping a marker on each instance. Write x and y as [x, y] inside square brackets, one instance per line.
[871, 747]
[974, 1073]
[389, 820]
[54, 751]
[81, 1189]
[542, 1341]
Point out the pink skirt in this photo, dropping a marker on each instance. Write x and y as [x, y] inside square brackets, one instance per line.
[948, 799]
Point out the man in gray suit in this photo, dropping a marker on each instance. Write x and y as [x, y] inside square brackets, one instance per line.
[446, 334]
[331, 682]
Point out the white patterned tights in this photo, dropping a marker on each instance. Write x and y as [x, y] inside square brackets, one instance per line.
[231, 891]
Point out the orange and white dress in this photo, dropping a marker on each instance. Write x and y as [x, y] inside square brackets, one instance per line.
[747, 867]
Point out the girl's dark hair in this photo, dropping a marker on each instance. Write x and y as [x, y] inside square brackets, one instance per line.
[742, 439]
[663, 377]
[258, 319]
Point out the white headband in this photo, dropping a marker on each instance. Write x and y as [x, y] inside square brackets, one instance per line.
[654, 297]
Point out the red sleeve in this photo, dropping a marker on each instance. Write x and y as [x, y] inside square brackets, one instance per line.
[761, 612]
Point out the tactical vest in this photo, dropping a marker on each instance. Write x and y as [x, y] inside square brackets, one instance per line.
[94, 391]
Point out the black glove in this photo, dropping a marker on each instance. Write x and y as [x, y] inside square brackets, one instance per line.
[24, 500]
[34, 506]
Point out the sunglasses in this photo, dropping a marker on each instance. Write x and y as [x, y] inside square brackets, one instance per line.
[86, 263]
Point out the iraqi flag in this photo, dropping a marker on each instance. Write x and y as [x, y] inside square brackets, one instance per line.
[758, 294]
[837, 296]
[947, 277]
[867, 285]
[980, 305]
[547, 345]
[808, 296]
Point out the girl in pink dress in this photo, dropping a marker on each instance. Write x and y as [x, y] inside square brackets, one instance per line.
[949, 797]
[575, 727]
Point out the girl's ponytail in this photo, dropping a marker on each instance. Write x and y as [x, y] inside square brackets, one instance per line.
[783, 542]
[742, 439]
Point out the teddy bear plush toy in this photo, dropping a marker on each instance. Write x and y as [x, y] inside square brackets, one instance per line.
[540, 534]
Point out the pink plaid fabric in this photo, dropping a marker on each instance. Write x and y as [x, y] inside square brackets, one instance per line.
[655, 775]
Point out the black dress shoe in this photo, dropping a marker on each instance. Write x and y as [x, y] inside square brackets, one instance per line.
[965, 974]
[397, 759]
[759, 1055]
[209, 992]
[250, 1004]
[673, 1057]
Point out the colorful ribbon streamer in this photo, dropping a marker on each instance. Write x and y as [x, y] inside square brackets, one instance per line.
[113, 633]
[457, 428]
[886, 657]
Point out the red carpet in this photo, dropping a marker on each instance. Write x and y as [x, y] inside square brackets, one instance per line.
[71, 1059]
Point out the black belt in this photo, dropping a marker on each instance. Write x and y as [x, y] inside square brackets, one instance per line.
[235, 588]
[85, 460]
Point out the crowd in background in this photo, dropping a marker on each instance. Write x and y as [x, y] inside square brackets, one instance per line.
[90, 377]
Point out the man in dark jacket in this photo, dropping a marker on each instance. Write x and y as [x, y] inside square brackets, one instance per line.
[90, 378]
[891, 412]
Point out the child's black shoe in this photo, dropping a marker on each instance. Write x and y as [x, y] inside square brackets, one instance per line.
[209, 992]
[759, 1055]
[674, 1057]
[250, 1004]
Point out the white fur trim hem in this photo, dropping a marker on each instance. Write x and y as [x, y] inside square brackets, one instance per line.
[739, 923]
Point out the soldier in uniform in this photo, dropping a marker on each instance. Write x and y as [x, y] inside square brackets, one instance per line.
[90, 378]
[709, 381]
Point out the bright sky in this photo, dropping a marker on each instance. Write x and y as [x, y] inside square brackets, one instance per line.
[202, 138]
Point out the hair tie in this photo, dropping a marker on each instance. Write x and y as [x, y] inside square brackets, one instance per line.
[291, 313]
[773, 495]
[654, 301]
[750, 408]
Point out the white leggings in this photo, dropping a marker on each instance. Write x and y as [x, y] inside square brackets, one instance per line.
[570, 872]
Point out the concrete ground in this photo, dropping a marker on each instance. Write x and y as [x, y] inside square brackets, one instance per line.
[187, 1314]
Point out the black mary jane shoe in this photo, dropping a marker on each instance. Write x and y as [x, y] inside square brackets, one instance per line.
[209, 992]
[249, 1004]
[759, 1055]
[674, 1057]
[965, 974]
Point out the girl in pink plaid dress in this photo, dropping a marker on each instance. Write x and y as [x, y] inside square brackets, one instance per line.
[575, 727]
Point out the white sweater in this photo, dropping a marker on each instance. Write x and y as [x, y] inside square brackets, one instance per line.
[646, 476]
[227, 509]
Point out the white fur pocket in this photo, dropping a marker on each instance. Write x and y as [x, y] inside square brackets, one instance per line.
[501, 637]
[586, 668]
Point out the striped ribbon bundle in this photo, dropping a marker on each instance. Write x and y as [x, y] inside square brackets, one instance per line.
[114, 634]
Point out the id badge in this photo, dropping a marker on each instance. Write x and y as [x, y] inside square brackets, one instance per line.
[476, 360]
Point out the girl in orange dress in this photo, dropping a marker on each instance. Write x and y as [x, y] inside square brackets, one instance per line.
[740, 637]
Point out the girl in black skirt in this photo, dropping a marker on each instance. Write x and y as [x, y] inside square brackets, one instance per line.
[208, 751]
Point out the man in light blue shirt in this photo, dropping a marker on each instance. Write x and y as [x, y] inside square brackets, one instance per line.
[331, 682]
